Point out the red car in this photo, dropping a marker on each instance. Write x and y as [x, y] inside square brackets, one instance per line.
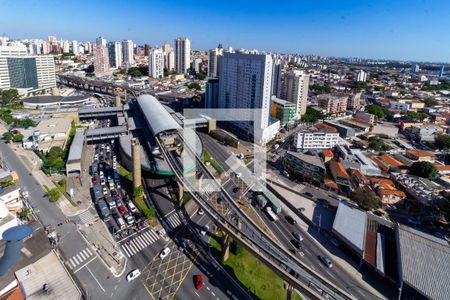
[94, 179]
[198, 281]
[122, 209]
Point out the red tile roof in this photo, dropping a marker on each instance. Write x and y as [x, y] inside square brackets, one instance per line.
[339, 169]
[420, 153]
[327, 153]
[391, 161]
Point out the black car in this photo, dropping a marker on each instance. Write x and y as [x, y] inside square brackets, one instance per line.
[290, 219]
[296, 243]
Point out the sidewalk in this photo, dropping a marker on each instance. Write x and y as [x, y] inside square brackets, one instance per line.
[105, 246]
[32, 163]
[329, 249]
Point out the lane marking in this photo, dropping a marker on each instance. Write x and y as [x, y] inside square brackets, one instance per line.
[95, 257]
[197, 294]
[95, 278]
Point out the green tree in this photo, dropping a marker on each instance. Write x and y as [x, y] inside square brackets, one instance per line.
[378, 111]
[194, 86]
[423, 169]
[442, 141]
[8, 136]
[365, 198]
[52, 194]
[90, 69]
[312, 115]
[359, 85]
[429, 102]
[320, 89]
[417, 115]
[135, 72]
[201, 76]
[18, 138]
[377, 144]
[9, 95]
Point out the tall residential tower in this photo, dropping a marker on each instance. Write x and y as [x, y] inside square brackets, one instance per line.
[182, 54]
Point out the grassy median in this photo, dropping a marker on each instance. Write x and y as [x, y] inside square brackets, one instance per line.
[252, 275]
[207, 158]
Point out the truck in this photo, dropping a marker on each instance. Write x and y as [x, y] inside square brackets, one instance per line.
[272, 202]
[261, 200]
[271, 214]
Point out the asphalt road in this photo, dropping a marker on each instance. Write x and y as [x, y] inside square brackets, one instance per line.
[283, 230]
[217, 284]
[92, 274]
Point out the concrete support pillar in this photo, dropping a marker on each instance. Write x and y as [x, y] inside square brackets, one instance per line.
[226, 241]
[117, 101]
[136, 156]
[180, 192]
[289, 291]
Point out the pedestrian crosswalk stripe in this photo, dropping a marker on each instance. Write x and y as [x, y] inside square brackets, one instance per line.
[138, 244]
[85, 253]
[79, 257]
[144, 241]
[141, 242]
[152, 233]
[89, 251]
[125, 250]
[152, 237]
[75, 260]
[133, 247]
[147, 238]
[72, 263]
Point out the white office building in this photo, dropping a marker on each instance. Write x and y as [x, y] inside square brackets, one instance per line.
[156, 63]
[294, 88]
[182, 54]
[128, 55]
[213, 61]
[361, 76]
[315, 140]
[115, 54]
[25, 72]
[245, 82]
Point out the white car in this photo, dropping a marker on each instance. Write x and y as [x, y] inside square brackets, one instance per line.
[132, 207]
[238, 175]
[101, 174]
[200, 212]
[204, 230]
[105, 191]
[133, 275]
[164, 253]
[96, 157]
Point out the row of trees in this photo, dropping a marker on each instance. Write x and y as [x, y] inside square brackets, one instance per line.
[377, 144]
[8, 95]
[312, 115]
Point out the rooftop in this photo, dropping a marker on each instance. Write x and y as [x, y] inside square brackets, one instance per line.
[47, 270]
[54, 125]
[327, 153]
[425, 261]
[350, 224]
[420, 153]
[391, 161]
[310, 159]
[337, 168]
[76, 148]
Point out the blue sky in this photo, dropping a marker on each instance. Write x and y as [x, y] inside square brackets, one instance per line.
[395, 29]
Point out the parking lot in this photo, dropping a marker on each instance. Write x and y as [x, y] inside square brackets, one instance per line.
[113, 204]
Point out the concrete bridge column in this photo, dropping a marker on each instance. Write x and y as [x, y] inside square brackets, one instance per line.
[289, 292]
[226, 241]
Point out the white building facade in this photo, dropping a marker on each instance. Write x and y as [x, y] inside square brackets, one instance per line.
[128, 55]
[115, 54]
[245, 82]
[156, 63]
[315, 140]
[213, 62]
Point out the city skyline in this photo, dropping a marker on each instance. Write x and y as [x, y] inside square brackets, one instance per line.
[405, 30]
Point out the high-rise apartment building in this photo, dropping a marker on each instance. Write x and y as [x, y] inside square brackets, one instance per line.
[294, 88]
[22, 71]
[283, 110]
[128, 54]
[361, 76]
[66, 47]
[75, 48]
[245, 82]
[212, 93]
[166, 48]
[146, 50]
[415, 68]
[156, 63]
[182, 54]
[100, 41]
[101, 63]
[213, 61]
[276, 78]
[115, 54]
[441, 71]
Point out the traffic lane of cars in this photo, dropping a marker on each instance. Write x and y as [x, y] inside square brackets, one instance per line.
[113, 204]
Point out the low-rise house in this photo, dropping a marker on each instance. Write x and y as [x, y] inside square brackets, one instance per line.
[423, 191]
[340, 175]
[358, 177]
[354, 158]
[420, 155]
[386, 190]
[327, 155]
